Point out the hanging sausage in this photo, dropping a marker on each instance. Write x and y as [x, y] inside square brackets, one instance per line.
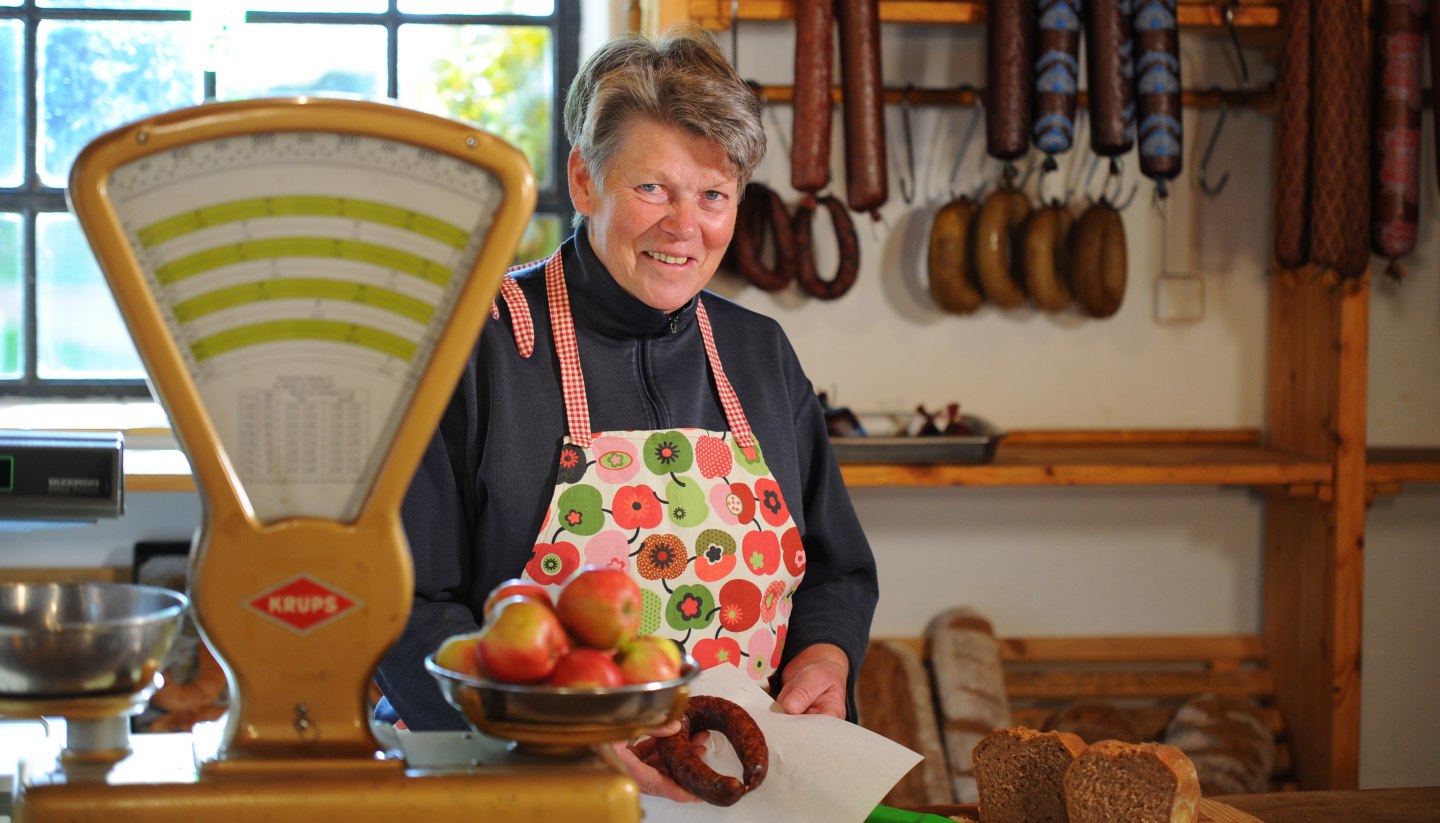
[1109, 66]
[866, 184]
[1399, 48]
[1157, 91]
[814, 54]
[1009, 85]
[1292, 154]
[1057, 67]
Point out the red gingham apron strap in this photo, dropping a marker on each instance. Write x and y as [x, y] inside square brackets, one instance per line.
[572, 381]
[734, 414]
[523, 327]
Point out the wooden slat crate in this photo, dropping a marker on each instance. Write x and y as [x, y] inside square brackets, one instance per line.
[1146, 677]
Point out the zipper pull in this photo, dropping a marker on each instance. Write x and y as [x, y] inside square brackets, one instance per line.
[674, 324]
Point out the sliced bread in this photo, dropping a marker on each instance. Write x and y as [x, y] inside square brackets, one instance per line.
[1134, 782]
[1021, 774]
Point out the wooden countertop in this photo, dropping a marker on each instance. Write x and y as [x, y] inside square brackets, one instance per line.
[1417, 805]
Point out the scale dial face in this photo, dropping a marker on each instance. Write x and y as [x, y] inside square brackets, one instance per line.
[305, 278]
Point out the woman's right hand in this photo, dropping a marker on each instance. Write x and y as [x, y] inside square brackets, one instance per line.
[642, 762]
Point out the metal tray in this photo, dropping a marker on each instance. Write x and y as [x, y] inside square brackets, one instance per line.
[968, 449]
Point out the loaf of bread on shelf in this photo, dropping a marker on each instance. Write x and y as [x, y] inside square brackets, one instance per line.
[1228, 740]
[1021, 774]
[894, 699]
[1093, 721]
[969, 689]
[1135, 782]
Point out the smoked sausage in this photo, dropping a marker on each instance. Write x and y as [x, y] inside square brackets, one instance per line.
[1046, 258]
[846, 240]
[1157, 90]
[866, 184]
[812, 106]
[1395, 205]
[951, 269]
[996, 236]
[1292, 141]
[1109, 67]
[762, 215]
[1057, 67]
[1009, 84]
[715, 714]
[1099, 261]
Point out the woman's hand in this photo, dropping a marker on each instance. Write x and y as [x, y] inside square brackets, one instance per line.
[642, 762]
[815, 682]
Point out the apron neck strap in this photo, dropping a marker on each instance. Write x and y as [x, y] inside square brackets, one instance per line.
[572, 379]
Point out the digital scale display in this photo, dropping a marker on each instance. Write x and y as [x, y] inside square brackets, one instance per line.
[60, 475]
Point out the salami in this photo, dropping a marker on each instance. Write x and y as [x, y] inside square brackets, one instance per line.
[1395, 205]
[762, 217]
[846, 240]
[814, 47]
[866, 184]
[1157, 90]
[1292, 156]
[1340, 198]
[1057, 67]
[1109, 66]
[1009, 84]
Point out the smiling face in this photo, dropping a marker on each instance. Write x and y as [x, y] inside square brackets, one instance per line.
[663, 215]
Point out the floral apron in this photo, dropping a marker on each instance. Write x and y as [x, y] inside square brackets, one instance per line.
[694, 516]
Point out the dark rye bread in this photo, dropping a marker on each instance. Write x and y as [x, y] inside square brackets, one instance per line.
[1228, 740]
[969, 689]
[1021, 775]
[1132, 782]
[1093, 721]
[894, 700]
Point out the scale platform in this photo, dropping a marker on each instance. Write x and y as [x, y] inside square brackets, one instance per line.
[304, 279]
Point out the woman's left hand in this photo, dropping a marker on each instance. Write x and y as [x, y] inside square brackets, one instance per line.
[815, 682]
[642, 762]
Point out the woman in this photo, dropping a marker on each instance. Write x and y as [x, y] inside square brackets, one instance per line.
[612, 415]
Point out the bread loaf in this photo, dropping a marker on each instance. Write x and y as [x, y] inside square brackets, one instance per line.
[1229, 742]
[1093, 721]
[1134, 782]
[1021, 775]
[893, 699]
[969, 689]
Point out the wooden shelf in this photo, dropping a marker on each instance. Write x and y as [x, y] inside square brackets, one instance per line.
[1393, 465]
[716, 14]
[1161, 458]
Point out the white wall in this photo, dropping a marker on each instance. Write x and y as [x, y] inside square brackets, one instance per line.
[1082, 560]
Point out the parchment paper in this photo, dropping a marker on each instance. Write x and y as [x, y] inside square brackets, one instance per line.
[822, 769]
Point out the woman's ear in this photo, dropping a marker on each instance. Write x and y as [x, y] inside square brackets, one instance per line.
[584, 188]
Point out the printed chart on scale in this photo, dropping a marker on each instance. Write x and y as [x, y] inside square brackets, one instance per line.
[305, 277]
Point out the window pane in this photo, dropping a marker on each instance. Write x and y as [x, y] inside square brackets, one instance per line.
[537, 8]
[318, 58]
[78, 328]
[497, 78]
[167, 5]
[12, 299]
[352, 6]
[95, 76]
[541, 237]
[11, 85]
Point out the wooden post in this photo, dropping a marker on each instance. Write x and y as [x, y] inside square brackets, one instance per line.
[1319, 340]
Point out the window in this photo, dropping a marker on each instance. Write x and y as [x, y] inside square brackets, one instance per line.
[71, 70]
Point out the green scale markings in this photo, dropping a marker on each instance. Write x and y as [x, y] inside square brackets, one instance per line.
[327, 331]
[303, 288]
[303, 206]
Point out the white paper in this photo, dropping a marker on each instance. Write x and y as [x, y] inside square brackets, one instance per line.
[822, 769]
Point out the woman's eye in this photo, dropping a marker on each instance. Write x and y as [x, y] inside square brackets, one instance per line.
[649, 188]
[714, 195]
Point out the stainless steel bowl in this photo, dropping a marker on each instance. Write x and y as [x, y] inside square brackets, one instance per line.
[563, 721]
[84, 639]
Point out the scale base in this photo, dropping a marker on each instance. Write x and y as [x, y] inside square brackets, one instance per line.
[158, 783]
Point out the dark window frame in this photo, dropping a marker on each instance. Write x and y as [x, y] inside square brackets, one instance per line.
[31, 198]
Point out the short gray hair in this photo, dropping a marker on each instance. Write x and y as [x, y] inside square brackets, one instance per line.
[680, 79]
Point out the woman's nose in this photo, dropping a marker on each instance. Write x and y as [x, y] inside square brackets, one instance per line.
[682, 220]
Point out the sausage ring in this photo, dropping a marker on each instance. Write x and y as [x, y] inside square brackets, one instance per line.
[849, 245]
[763, 213]
[715, 714]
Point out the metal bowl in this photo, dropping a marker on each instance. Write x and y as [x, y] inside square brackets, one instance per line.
[61, 640]
[559, 720]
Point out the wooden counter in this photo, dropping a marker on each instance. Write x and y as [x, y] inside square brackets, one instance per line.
[1418, 805]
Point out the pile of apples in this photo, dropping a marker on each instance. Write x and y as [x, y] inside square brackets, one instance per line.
[584, 638]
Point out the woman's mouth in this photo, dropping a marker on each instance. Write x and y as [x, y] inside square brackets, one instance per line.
[665, 258]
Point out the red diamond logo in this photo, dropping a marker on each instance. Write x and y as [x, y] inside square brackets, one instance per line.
[303, 603]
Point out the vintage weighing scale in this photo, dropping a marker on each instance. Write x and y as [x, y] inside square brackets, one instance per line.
[304, 279]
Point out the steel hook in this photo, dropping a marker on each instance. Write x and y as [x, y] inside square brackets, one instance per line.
[969, 136]
[735, 35]
[1113, 198]
[908, 187]
[1229, 15]
[1047, 166]
[1202, 173]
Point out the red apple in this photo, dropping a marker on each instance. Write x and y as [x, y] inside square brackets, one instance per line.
[522, 641]
[600, 607]
[584, 667]
[460, 654]
[648, 659]
[512, 587]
